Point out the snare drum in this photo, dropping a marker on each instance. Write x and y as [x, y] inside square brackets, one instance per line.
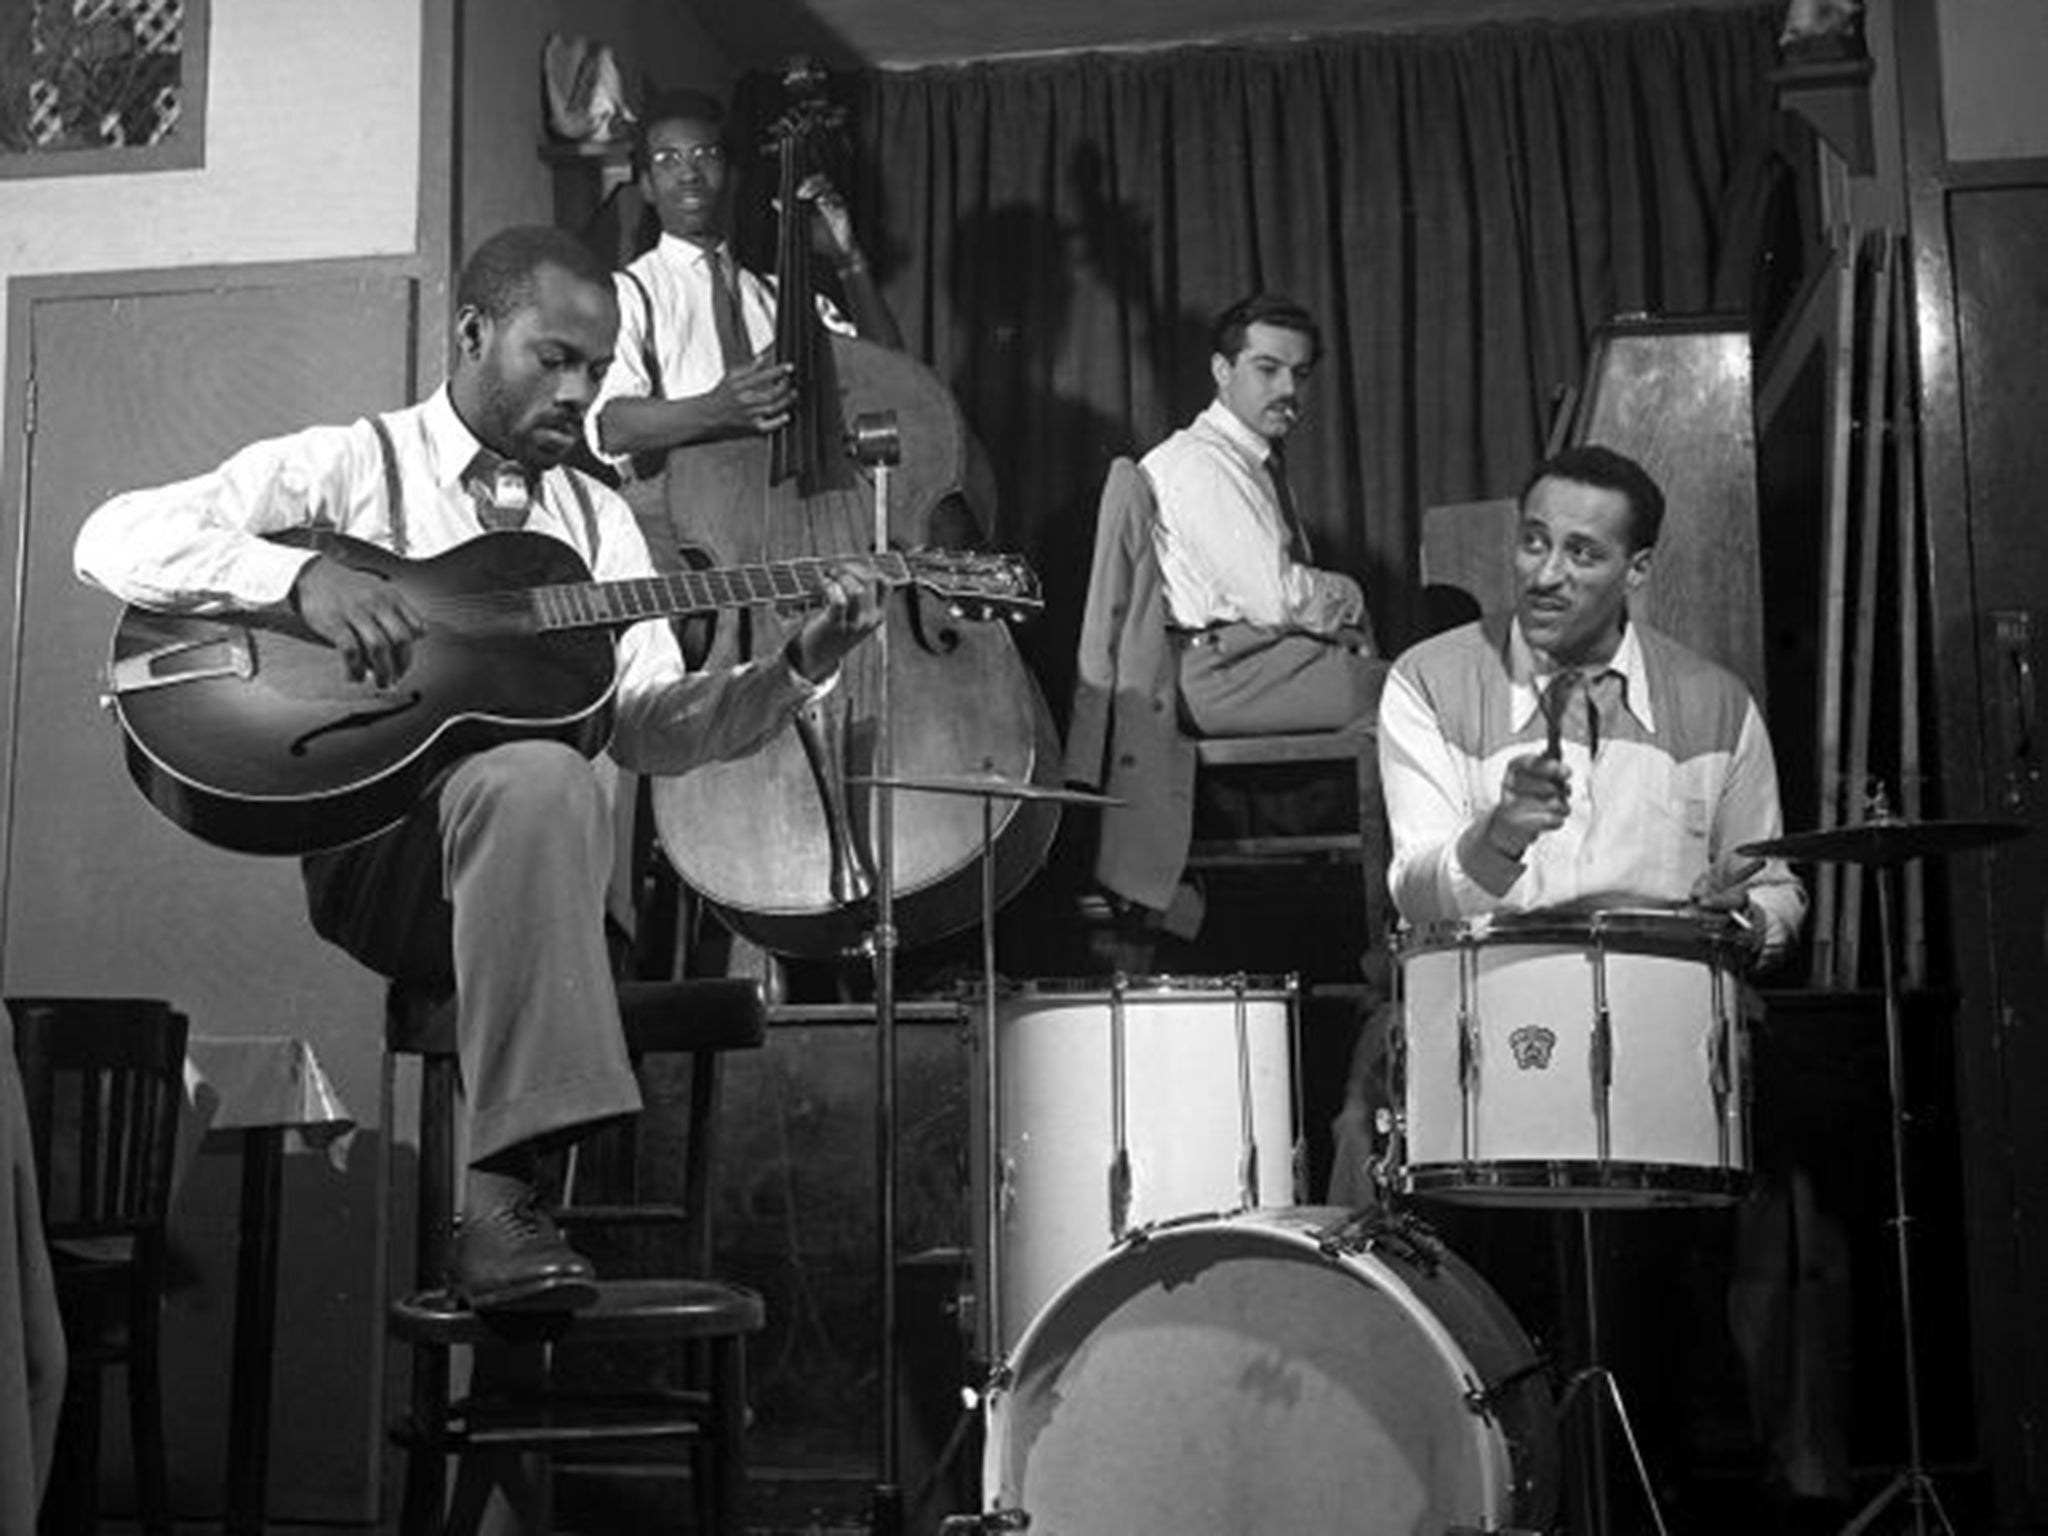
[1158, 1097]
[1574, 1060]
[1274, 1373]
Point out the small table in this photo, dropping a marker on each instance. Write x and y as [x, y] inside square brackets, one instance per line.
[263, 1089]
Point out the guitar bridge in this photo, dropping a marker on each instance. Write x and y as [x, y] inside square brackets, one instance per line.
[224, 654]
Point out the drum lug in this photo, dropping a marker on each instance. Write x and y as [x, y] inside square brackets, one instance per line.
[1480, 1398]
[1395, 1233]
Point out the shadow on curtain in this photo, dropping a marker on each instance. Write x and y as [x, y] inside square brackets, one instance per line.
[1459, 209]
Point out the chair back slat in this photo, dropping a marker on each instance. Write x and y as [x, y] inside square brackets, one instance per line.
[103, 1079]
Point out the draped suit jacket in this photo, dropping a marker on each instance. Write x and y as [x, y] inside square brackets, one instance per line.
[1125, 735]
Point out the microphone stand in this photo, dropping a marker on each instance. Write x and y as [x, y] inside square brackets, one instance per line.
[872, 441]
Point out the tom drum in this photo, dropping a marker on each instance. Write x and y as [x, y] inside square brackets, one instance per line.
[1119, 1107]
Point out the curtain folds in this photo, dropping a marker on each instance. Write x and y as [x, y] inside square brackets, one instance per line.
[1459, 208]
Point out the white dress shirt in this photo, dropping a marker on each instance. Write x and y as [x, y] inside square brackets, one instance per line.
[678, 275]
[196, 546]
[1223, 541]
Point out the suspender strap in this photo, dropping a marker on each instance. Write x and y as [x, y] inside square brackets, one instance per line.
[589, 508]
[653, 464]
[649, 358]
[394, 498]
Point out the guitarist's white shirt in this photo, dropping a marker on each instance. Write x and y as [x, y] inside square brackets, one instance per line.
[198, 546]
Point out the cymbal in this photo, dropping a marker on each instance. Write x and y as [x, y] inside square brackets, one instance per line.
[990, 786]
[1889, 840]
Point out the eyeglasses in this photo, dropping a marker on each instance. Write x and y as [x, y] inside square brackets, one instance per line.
[670, 158]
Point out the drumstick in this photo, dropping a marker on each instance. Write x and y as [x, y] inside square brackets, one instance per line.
[1746, 871]
[1733, 878]
[1555, 700]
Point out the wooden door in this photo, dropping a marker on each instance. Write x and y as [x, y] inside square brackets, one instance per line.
[1998, 244]
[131, 382]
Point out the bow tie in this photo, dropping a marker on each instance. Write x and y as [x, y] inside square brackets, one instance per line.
[503, 489]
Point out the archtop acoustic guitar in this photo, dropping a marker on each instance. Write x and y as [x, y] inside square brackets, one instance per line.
[244, 728]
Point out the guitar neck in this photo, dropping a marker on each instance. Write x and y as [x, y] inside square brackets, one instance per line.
[611, 604]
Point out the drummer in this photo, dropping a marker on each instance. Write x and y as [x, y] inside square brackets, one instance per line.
[1566, 754]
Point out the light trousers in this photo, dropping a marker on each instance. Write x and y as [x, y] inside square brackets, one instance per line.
[496, 884]
[1245, 680]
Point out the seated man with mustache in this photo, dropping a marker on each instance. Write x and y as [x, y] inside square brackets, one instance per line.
[1266, 642]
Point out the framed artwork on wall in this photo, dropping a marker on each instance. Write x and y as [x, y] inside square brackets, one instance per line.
[97, 86]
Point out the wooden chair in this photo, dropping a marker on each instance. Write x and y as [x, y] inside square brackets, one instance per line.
[554, 1413]
[103, 1078]
[1126, 716]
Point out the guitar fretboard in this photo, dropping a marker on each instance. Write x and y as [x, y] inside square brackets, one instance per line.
[602, 604]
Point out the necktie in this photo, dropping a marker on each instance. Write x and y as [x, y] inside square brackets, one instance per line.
[1297, 536]
[1605, 690]
[503, 490]
[726, 318]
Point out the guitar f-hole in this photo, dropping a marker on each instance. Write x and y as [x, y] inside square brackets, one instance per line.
[361, 719]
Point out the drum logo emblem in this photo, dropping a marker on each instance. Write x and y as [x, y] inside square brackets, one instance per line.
[1532, 1045]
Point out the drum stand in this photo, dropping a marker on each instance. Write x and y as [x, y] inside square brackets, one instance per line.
[1602, 1381]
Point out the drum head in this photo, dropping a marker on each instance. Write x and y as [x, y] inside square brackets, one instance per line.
[1231, 1377]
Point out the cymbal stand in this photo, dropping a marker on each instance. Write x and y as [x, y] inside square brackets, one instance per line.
[1598, 1377]
[872, 440]
[988, 1299]
[1912, 1479]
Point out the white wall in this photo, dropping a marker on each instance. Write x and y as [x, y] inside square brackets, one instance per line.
[312, 151]
[501, 178]
[1994, 56]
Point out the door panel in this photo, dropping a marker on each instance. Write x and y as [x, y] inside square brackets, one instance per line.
[1999, 247]
[104, 896]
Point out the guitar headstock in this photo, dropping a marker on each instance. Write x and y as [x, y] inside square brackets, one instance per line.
[975, 583]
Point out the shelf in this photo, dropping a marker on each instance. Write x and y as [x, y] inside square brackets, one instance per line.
[1832, 94]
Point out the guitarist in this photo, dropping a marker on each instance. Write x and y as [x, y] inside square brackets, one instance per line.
[496, 883]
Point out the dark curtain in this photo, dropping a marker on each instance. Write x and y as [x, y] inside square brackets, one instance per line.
[1460, 210]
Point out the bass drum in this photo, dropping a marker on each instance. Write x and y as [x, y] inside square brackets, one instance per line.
[1273, 1372]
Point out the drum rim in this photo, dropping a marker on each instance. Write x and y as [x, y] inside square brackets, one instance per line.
[1164, 983]
[1629, 929]
[1532, 1177]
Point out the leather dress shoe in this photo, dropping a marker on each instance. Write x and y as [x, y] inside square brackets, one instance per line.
[512, 1257]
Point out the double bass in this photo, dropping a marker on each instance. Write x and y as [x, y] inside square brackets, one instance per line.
[777, 841]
